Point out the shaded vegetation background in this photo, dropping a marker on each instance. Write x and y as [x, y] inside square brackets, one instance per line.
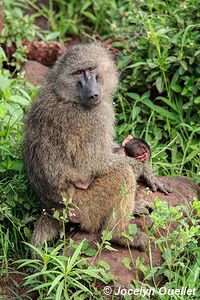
[158, 96]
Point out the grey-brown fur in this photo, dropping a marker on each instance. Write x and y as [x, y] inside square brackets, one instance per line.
[67, 143]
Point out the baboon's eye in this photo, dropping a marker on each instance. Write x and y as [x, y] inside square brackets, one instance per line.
[91, 69]
[79, 72]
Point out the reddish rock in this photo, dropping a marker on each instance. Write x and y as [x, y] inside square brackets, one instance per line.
[45, 53]
[35, 72]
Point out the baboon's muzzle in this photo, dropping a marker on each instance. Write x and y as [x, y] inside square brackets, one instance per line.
[90, 90]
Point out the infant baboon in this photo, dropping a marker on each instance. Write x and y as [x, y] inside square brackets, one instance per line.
[69, 138]
[135, 147]
[138, 148]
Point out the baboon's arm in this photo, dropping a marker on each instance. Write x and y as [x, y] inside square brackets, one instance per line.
[116, 161]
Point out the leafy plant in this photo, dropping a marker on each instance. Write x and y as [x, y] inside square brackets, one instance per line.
[16, 203]
[17, 27]
[56, 276]
[68, 18]
[179, 248]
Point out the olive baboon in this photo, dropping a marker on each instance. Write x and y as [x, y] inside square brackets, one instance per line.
[69, 138]
[137, 147]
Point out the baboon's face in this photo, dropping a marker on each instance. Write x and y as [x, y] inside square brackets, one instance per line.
[85, 75]
[88, 86]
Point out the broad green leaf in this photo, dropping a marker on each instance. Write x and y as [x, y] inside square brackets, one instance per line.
[132, 228]
[137, 65]
[107, 235]
[127, 262]
[16, 114]
[85, 5]
[135, 112]
[90, 16]
[55, 282]
[2, 54]
[4, 82]
[197, 53]
[152, 65]
[20, 100]
[25, 94]
[162, 111]
[85, 245]
[184, 65]
[110, 248]
[104, 264]
[90, 252]
[146, 95]
[3, 110]
[167, 101]
[171, 59]
[75, 256]
[159, 84]
[176, 87]
[16, 165]
[27, 232]
[184, 91]
[59, 290]
[133, 96]
[192, 155]
[175, 78]
[197, 100]
[52, 36]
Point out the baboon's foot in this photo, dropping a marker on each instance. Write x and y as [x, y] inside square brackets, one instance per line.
[46, 229]
[142, 207]
[140, 241]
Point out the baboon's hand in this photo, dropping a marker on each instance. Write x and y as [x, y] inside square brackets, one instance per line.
[155, 183]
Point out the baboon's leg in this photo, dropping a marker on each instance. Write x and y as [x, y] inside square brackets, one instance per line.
[107, 203]
[46, 229]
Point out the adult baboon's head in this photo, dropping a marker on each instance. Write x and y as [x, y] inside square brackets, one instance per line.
[86, 75]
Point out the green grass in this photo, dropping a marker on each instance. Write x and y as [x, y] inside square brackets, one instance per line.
[158, 99]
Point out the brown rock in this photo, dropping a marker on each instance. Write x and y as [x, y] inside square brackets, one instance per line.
[35, 72]
[124, 276]
[45, 53]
